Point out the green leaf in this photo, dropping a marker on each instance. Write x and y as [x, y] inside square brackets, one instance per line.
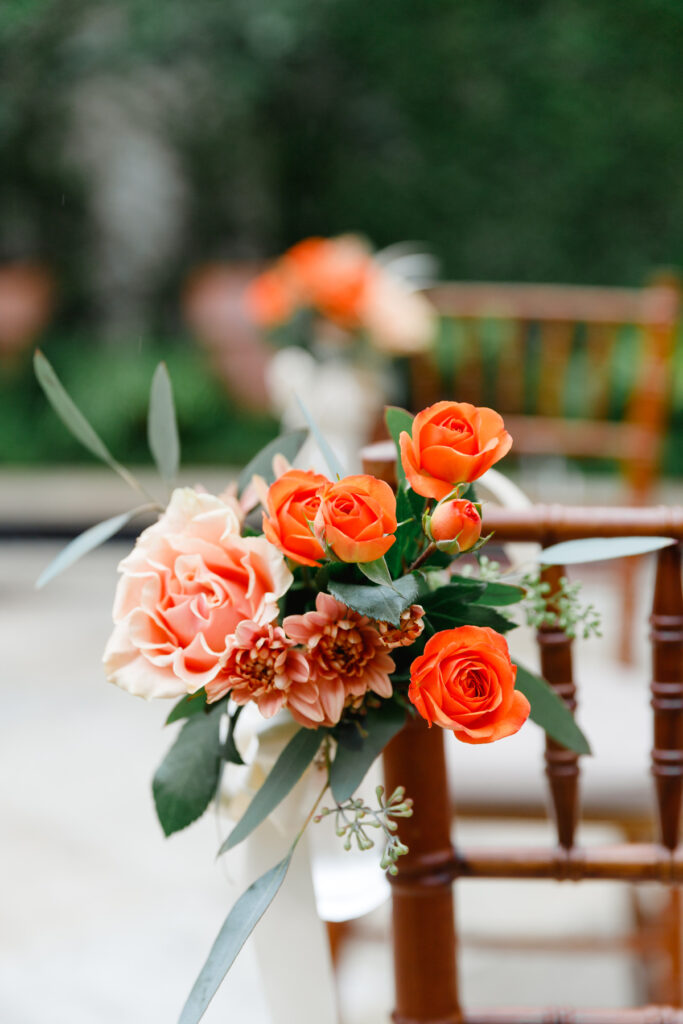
[404, 550]
[283, 776]
[599, 549]
[376, 571]
[458, 590]
[288, 444]
[450, 616]
[378, 602]
[162, 429]
[351, 763]
[85, 542]
[398, 420]
[500, 594]
[550, 712]
[186, 780]
[230, 751]
[335, 466]
[187, 707]
[73, 419]
[236, 929]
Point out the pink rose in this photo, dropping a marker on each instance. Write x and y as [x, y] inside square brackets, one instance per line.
[186, 586]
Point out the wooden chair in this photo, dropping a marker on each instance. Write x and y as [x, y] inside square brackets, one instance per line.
[424, 936]
[576, 371]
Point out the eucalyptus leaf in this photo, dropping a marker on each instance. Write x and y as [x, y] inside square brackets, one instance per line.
[600, 549]
[186, 780]
[335, 466]
[230, 751]
[378, 602]
[236, 929]
[72, 418]
[376, 571]
[162, 428]
[85, 542]
[283, 776]
[550, 712]
[398, 420]
[351, 763]
[289, 445]
[187, 707]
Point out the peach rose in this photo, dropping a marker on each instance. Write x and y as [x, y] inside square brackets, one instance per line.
[451, 443]
[292, 503]
[465, 682]
[186, 586]
[454, 525]
[356, 518]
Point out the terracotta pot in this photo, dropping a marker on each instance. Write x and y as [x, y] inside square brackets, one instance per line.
[26, 301]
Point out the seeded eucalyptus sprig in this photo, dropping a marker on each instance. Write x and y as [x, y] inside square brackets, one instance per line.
[568, 613]
[354, 817]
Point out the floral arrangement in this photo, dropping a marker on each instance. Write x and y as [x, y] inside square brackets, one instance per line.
[341, 282]
[327, 598]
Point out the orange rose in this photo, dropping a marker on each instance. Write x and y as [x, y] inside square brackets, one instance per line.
[465, 681]
[452, 443]
[269, 298]
[292, 505]
[454, 525]
[331, 274]
[357, 518]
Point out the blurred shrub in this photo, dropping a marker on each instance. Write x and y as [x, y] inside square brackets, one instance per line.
[111, 387]
[522, 141]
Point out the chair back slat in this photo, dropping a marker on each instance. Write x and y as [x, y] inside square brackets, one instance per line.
[556, 347]
[562, 765]
[667, 693]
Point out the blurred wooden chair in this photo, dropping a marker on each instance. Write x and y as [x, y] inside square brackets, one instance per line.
[424, 937]
[576, 372]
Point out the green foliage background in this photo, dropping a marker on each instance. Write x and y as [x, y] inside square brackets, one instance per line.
[537, 140]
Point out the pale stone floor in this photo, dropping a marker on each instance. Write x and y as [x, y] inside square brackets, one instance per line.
[103, 921]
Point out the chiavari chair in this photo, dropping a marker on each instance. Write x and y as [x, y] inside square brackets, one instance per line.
[576, 371]
[424, 934]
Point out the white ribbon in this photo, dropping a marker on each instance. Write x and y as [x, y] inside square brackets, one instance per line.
[324, 882]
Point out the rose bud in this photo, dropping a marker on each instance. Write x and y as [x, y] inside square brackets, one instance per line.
[454, 525]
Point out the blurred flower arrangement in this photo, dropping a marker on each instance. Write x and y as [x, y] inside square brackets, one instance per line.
[341, 283]
[325, 598]
[341, 318]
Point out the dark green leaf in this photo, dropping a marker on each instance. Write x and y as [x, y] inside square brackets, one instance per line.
[185, 782]
[187, 707]
[288, 444]
[500, 594]
[230, 751]
[398, 420]
[460, 589]
[83, 543]
[351, 763]
[378, 602]
[335, 466]
[408, 533]
[376, 571]
[283, 776]
[599, 549]
[162, 429]
[550, 712]
[451, 616]
[236, 929]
